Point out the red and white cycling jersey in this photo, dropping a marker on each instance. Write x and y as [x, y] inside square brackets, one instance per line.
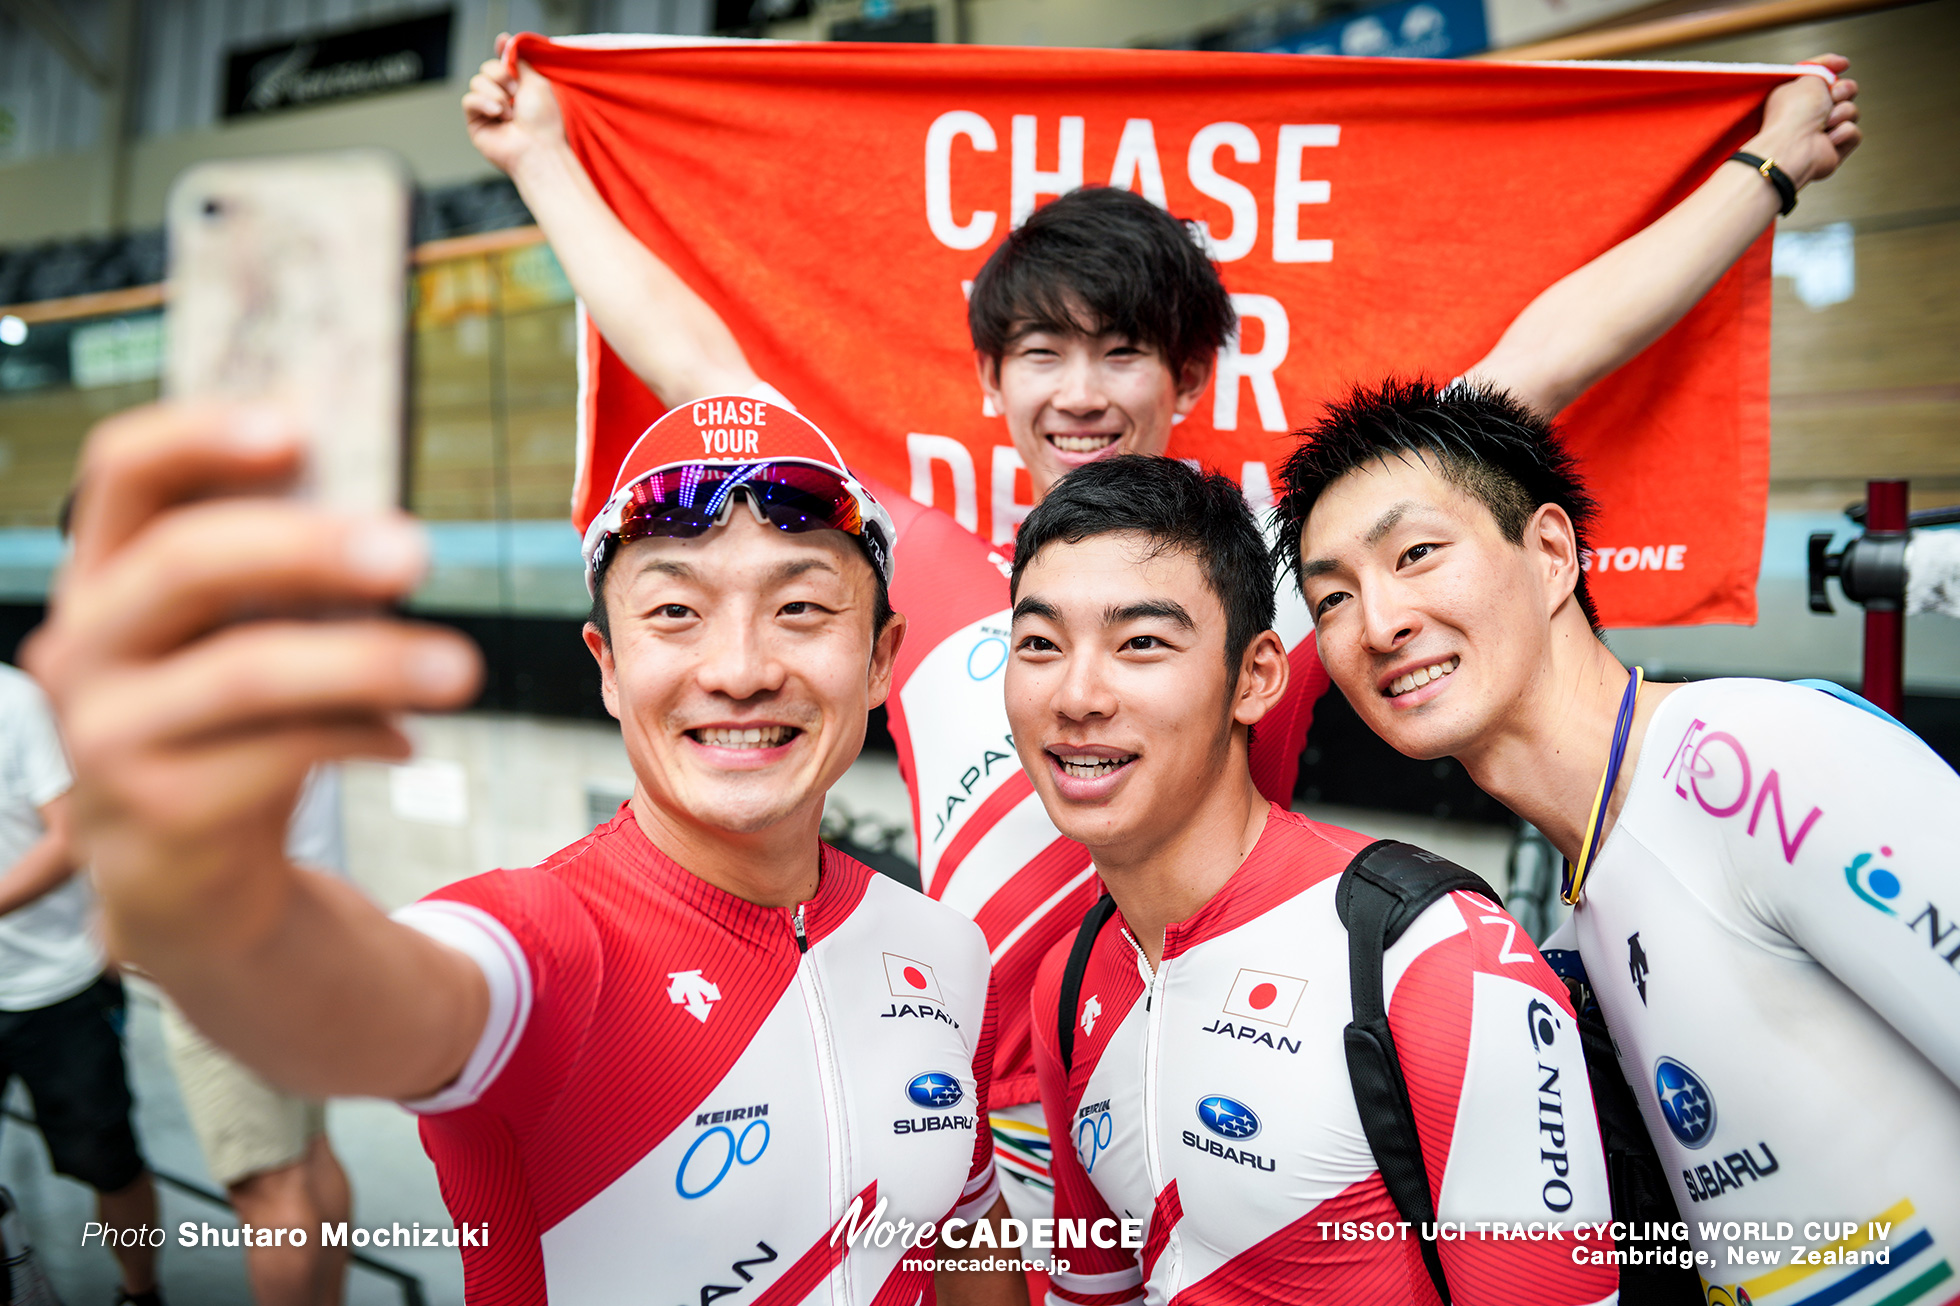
[1211, 1099]
[672, 1101]
[986, 845]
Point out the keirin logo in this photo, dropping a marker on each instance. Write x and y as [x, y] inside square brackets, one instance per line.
[711, 1156]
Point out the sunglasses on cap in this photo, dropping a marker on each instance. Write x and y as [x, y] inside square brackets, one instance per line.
[687, 500]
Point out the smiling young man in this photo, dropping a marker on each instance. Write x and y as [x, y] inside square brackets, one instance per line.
[1207, 1092]
[1095, 326]
[1767, 897]
[662, 1064]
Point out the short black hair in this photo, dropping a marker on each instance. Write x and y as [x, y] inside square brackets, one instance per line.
[1181, 510]
[1478, 438]
[1100, 260]
[881, 603]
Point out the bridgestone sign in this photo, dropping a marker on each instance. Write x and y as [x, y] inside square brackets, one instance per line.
[316, 70]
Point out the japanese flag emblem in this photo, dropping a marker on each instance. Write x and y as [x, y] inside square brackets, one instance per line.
[911, 979]
[1265, 997]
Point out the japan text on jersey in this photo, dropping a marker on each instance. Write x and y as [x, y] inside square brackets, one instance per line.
[674, 1101]
[1211, 1099]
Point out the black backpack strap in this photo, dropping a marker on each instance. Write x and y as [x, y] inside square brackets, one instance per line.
[1078, 962]
[1383, 890]
[1636, 1181]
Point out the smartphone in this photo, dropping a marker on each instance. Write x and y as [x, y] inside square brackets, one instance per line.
[289, 287]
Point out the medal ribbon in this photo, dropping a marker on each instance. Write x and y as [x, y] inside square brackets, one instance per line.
[1572, 882]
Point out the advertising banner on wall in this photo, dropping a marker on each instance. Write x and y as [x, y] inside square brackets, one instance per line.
[1413, 29]
[1370, 216]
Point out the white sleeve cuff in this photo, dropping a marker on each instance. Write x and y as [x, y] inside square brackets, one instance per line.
[483, 939]
[980, 1193]
[1071, 1288]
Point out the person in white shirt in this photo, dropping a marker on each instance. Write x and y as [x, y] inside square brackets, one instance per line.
[268, 1147]
[60, 1009]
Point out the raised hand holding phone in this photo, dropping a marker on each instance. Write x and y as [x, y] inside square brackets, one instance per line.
[289, 289]
[192, 717]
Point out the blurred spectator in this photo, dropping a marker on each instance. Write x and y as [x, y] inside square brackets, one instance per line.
[267, 1147]
[61, 1011]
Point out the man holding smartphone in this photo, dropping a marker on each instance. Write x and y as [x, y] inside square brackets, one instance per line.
[1095, 327]
[676, 1057]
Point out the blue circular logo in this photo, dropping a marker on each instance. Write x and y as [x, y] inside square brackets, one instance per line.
[1092, 1135]
[714, 1153]
[986, 657]
[1226, 1118]
[1686, 1104]
[935, 1089]
[1877, 885]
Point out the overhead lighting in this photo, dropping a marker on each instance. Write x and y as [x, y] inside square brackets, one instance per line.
[13, 330]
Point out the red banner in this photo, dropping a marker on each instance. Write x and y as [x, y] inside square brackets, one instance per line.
[1370, 216]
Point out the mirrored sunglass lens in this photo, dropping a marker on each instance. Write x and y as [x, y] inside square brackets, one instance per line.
[686, 502]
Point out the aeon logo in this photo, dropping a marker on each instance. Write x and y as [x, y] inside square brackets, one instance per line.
[1714, 770]
[1875, 884]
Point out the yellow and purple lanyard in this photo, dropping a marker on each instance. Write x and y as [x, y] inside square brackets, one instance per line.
[1573, 881]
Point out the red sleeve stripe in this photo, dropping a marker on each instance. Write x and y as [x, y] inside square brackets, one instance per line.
[1163, 1218]
[974, 1205]
[815, 1264]
[506, 970]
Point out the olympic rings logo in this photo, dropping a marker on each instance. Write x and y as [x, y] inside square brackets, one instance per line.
[1092, 1135]
[734, 1151]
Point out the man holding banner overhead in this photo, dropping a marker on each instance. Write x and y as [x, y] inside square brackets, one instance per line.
[813, 218]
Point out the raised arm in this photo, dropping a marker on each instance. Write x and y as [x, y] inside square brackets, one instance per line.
[1597, 318]
[665, 332]
[191, 725]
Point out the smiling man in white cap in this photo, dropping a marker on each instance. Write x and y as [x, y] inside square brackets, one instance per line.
[666, 1063]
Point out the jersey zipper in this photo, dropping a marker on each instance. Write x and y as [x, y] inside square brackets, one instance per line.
[1152, 1047]
[1153, 1026]
[831, 1089]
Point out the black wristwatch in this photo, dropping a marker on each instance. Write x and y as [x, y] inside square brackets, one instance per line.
[1772, 174]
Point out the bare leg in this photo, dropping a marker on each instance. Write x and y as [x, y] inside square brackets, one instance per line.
[278, 1199]
[133, 1206]
[334, 1199]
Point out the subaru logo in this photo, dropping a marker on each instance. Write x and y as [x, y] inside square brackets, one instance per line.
[935, 1089]
[1686, 1104]
[1226, 1118]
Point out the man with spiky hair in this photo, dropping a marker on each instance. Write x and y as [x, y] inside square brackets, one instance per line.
[1766, 899]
